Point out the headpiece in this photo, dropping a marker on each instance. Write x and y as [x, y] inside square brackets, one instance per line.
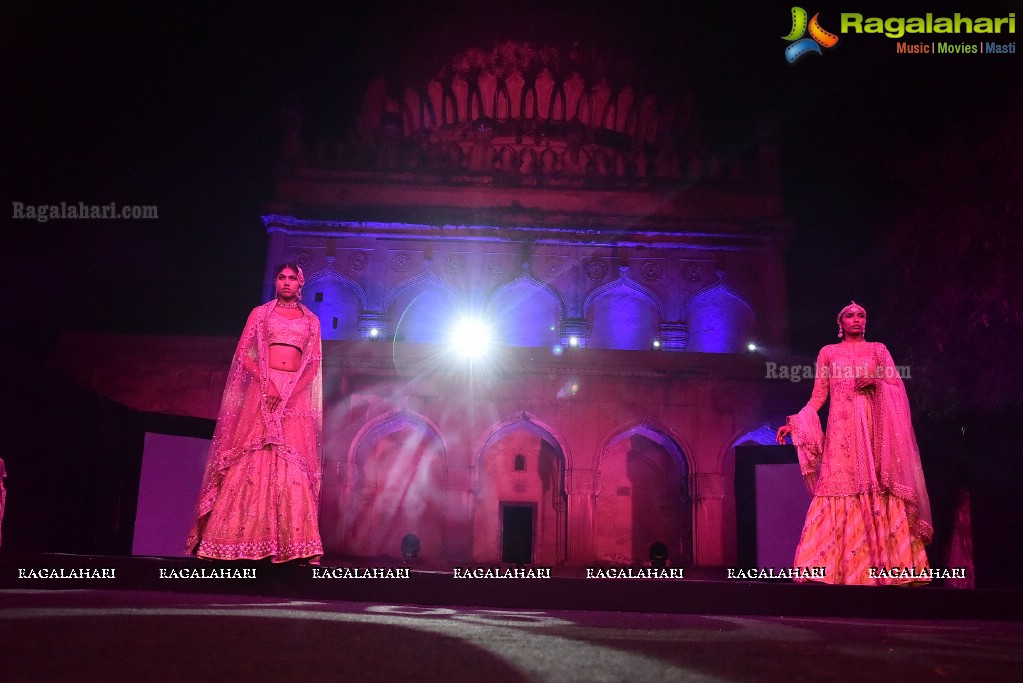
[301, 281]
[852, 305]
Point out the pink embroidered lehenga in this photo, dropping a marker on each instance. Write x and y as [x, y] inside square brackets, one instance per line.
[870, 509]
[260, 493]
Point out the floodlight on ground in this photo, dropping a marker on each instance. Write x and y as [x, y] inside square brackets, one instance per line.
[658, 555]
[410, 547]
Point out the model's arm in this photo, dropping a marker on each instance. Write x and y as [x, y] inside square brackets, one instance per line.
[818, 396]
[822, 375]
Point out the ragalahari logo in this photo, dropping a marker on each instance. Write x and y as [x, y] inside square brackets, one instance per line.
[800, 44]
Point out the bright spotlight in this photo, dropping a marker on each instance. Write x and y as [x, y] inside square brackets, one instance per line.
[471, 337]
[573, 341]
[374, 333]
[751, 346]
[657, 343]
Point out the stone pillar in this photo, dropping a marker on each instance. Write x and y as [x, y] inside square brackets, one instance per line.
[333, 494]
[575, 328]
[373, 325]
[709, 548]
[581, 486]
[674, 336]
[346, 505]
[458, 513]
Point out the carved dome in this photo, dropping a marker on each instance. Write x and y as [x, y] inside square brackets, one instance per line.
[519, 114]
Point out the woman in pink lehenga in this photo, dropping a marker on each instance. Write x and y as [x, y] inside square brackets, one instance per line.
[870, 515]
[260, 494]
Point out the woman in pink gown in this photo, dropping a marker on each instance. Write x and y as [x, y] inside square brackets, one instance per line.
[870, 516]
[260, 494]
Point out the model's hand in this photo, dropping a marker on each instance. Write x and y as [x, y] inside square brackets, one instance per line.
[271, 397]
[783, 432]
[866, 383]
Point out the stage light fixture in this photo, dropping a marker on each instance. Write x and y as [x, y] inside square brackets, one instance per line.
[751, 347]
[471, 337]
[573, 342]
[374, 333]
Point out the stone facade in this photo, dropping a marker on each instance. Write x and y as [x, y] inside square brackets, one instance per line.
[608, 451]
[623, 267]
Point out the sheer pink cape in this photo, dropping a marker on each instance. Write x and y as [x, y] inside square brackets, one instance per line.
[896, 453]
[245, 424]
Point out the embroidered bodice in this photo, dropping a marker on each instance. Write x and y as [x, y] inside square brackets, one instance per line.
[838, 368]
[281, 330]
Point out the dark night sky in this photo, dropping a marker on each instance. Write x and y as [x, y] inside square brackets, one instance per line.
[179, 106]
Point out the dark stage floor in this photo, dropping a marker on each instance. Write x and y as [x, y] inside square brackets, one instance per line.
[701, 591]
[173, 619]
[95, 634]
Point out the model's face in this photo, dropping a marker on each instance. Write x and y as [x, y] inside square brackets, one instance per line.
[854, 321]
[287, 283]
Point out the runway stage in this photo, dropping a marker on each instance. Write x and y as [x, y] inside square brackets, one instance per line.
[700, 591]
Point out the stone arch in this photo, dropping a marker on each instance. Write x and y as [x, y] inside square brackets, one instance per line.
[397, 469]
[719, 320]
[539, 487]
[526, 312]
[623, 314]
[780, 478]
[644, 496]
[762, 435]
[422, 309]
[502, 101]
[509, 160]
[337, 301]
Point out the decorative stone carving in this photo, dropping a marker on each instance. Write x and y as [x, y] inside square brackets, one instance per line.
[455, 264]
[652, 270]
[401, 263]
[532, 116]
[596, 269]
[358, 261]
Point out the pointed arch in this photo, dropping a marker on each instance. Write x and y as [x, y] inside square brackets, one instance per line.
[644, 497]
[397, 462]
[422, 309]
[337, 301]
[526, 312]
[623, 314]
[520, 465]
[719, 320]
[762, 435]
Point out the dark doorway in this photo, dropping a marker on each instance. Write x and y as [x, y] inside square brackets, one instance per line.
[517, 533]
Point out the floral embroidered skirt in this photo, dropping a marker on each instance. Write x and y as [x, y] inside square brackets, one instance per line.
[266, 507]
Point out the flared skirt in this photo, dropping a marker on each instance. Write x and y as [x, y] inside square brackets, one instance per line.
[266, 508]
[861, 539]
